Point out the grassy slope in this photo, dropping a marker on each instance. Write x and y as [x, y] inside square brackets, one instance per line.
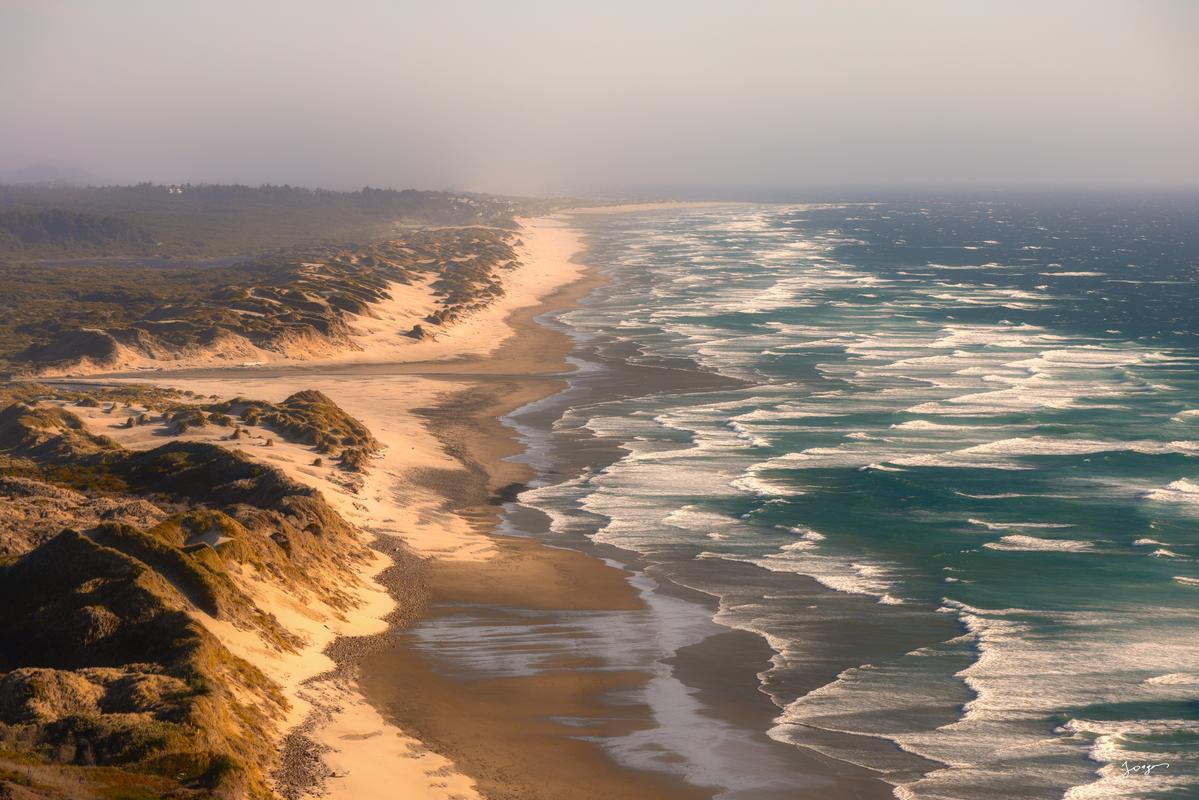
[211, 248]
[108, 687]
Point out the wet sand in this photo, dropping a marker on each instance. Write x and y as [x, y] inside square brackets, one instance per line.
[518, 735]
[506, 733]
[513, 735]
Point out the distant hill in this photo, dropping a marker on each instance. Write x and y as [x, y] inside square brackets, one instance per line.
[57, 227]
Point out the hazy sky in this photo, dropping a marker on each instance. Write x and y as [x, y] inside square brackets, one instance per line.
[604, 95]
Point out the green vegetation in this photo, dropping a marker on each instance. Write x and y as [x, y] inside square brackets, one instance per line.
[54, 315]
[109, 687]
[74, 230]
[218, 221]
[311, 418]
[103, 666]
[87, 273]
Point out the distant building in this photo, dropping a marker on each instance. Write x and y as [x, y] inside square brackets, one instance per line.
[174, 188]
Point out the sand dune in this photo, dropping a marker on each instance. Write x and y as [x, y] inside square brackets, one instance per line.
[398, 498]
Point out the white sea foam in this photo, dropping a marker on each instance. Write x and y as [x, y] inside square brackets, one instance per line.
[1000, 526]
[807, 534]
[1020, 542]
[882, 467]
[983, 455]
[753, 483]
[747, 433]
[1022, 675]
[888, 348]
[693, 519]
[838, 573]
[1086, 357]
[1174, 679]
[1115, 744]
[925, 425]
[1179, 491]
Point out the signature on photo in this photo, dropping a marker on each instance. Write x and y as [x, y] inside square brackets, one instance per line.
[1142, 769]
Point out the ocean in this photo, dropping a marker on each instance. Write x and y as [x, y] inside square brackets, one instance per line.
[943, 457]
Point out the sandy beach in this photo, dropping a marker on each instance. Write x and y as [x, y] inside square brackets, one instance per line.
[375, 715]
[480, 401]
[437, 488]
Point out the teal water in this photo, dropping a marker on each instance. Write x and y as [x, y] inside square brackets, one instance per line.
[962, 467]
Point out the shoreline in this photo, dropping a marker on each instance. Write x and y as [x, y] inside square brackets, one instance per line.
[428, 733]
[382, 334]
[455, 708]
[499, 731]
[486, 384]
